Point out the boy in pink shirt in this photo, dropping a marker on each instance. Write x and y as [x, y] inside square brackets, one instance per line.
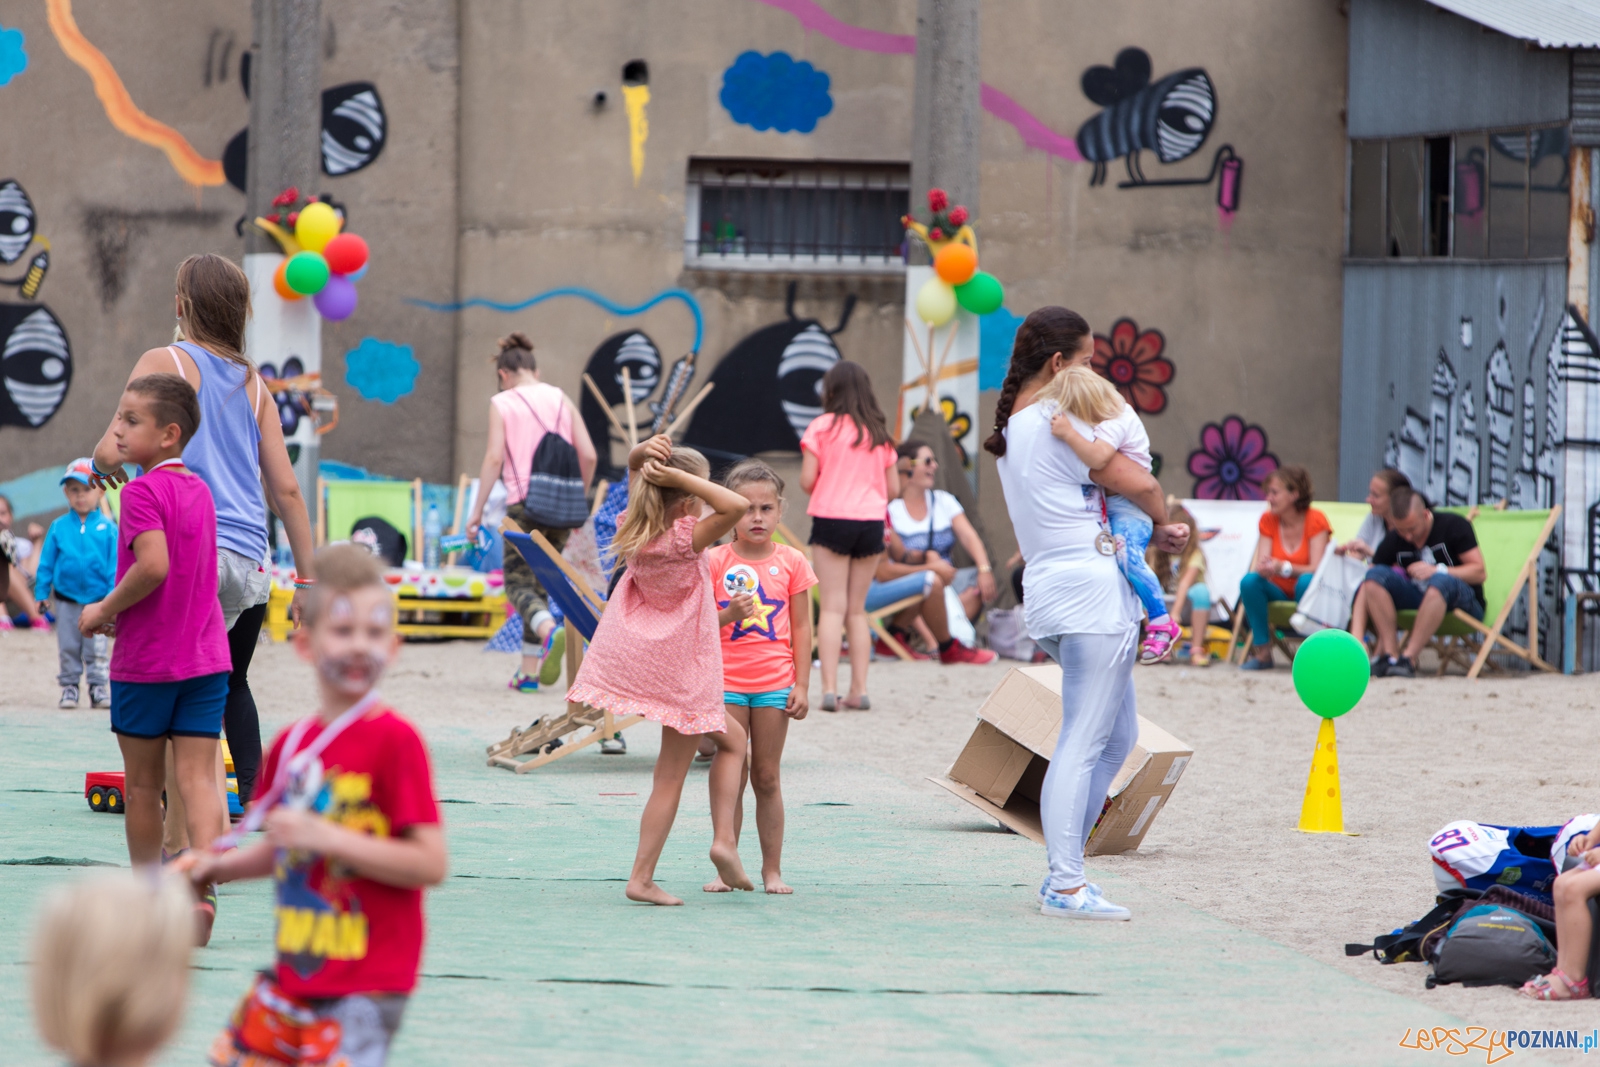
[170, 663]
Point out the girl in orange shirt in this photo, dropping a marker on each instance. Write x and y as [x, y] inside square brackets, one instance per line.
[1281, 572]
[763, 591]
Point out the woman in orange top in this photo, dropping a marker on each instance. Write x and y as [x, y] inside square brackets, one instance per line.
[1293, 537]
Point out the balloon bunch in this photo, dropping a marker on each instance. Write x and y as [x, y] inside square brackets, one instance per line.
[957, 279]
[322, 262]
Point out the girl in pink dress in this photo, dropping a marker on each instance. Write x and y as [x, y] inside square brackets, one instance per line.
[658, 652]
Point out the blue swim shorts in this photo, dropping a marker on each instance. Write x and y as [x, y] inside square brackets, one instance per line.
[190, 708]
[778, 698]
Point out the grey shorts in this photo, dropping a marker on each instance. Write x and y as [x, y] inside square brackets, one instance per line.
[368, 1023]
[242, 583]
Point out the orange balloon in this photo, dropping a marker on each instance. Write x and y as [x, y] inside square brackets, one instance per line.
[956, 263]
[281, 283]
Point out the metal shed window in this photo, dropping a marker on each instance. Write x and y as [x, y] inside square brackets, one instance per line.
[784, 214]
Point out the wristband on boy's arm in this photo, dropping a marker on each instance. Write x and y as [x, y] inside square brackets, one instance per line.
[303, 583]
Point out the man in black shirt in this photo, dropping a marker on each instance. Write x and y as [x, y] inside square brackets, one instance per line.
[1429, 563]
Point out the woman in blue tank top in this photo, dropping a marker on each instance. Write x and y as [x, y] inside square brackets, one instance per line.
[237, 451]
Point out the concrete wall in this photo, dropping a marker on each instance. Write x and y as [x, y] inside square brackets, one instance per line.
[120, 217]
[1416, 68]
[519, 184]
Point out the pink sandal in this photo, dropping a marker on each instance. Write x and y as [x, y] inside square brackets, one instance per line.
[1540, 988]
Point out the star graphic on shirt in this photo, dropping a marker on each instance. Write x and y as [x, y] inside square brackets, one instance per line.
[761, 621]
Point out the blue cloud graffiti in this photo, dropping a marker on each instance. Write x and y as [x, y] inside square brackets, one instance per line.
[775, 92]
[381, 370]
[996, 333]
[13, 55]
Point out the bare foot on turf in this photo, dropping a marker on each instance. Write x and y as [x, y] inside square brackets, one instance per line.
[775, 884]
[716, 885]
[650, 893]
[729, 870]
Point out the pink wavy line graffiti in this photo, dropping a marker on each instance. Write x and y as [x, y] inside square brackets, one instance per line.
[1034, 132]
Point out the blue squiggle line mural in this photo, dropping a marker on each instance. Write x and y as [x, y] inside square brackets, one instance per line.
[586, 294]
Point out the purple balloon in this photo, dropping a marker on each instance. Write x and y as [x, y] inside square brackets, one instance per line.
[337, 300]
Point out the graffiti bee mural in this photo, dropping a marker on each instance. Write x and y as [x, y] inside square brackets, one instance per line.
[1172, 118]
[634, 351]
[35, 358]
[355, 128]
[769, 387]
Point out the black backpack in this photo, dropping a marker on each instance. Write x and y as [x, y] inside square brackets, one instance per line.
[555, 497]
[1405, 944]
[1492, 944]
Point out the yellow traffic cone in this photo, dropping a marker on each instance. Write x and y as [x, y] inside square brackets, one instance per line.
[1322, 812]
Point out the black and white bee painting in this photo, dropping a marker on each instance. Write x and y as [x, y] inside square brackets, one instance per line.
[1172, 117]
[635, 351]
[354, 127]
[35, 365]
[16, 221]
[768, 388]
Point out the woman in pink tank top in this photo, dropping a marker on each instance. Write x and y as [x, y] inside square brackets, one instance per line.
[520, 415]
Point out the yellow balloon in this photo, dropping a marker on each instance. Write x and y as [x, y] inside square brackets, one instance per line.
[317, 225]
[936, 302]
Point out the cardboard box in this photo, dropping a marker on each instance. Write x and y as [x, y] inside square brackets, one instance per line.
[1001, 769]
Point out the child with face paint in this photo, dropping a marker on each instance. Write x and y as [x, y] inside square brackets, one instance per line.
[169, 665]
[657, 651]
[352, 838]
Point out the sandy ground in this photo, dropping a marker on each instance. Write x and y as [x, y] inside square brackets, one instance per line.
[1414, 755]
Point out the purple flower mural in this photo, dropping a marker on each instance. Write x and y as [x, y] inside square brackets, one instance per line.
[1232, 461]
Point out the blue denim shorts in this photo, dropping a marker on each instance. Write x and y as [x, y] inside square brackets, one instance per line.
[190, 708]
[882, 594]
[1407, 595]
[778, 698]
[1199, 597]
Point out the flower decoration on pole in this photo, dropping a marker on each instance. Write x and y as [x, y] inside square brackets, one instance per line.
[957, 279]
[1232, 462]
[320, 260]
[1132, 361]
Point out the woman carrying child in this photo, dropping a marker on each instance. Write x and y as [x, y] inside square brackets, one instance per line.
[848, 466]
[1078, 393]
[763, 591]
[657, 652]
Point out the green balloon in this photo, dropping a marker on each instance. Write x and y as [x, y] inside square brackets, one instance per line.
[306, 273]
[981, 294]
[1331, 672]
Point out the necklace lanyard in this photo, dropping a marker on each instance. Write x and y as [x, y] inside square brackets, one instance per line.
[291, 764]
[176, 461]
[1105, 542]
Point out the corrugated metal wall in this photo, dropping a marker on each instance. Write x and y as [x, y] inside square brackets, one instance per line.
[1415, 68]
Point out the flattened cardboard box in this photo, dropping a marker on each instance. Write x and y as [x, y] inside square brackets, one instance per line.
[1002, 767]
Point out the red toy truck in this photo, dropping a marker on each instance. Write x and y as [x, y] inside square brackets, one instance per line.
[104, 791]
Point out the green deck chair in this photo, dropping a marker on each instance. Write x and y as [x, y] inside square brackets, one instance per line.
[1511, 542]
[1346, 519]
[345, 503]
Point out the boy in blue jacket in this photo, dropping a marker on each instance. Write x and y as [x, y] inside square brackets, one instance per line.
[78, 566]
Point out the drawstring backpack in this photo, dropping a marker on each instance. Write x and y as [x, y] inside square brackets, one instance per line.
[555, 497]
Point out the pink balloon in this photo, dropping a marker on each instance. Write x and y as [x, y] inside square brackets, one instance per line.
[337, 300]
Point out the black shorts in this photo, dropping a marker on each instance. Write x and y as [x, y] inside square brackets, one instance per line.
[856, 538]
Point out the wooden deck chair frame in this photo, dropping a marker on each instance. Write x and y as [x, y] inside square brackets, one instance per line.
[1490, 636]
[413, 546]
[544, 731]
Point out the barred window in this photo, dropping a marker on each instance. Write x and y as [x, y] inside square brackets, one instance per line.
[754, 214]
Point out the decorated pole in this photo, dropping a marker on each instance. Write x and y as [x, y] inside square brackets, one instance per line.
[284, 153]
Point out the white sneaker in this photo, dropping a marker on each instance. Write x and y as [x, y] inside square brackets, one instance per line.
[69, 697]
[1082, 905]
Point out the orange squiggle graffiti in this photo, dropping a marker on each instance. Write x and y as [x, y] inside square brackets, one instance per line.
[120, 108]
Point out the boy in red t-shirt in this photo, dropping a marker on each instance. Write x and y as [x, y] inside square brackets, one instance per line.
[352, 837]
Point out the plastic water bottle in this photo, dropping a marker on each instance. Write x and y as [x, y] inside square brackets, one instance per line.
[432, 527]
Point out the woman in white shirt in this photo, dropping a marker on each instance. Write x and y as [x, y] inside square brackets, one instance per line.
[930, 520]
[1077, 606]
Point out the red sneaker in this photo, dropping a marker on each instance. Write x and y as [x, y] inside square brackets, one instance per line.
[959, 653]
[886, 652]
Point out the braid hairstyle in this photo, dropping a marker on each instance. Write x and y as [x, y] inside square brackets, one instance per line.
[1042, 334]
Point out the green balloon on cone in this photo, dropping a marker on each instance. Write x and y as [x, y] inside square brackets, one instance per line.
[982, 294]
[306, 273]
[1331, 672]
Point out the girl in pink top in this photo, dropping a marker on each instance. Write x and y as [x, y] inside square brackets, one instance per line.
[658, 653]
[848, 467]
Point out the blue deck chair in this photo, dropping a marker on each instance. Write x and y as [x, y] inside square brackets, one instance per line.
[581, 607]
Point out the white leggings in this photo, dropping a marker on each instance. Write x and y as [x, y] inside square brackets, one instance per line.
[1099, 727]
